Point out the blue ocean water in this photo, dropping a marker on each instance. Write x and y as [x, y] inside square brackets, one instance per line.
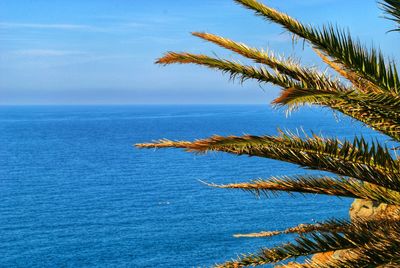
[74, 192]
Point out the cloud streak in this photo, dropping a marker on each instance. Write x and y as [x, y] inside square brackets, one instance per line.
[52, 26]
[56, 26]
[46, 53]
[110, 28]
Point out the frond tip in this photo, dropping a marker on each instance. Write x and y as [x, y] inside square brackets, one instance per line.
[358, 159]
[308, 77]
[164, 143]
[329, 226]
[234, 69]
[344, 187]
[369, 64]
[392, 9]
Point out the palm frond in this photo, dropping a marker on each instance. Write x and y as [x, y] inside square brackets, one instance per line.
[370, 255]
[328, 226]
[377, 110]
[381, 251]
[234, 69]
[369, 64]
[371, 163]
[361, 84]
[344, 187]
[392, 9]
[304, 246]
[303, 86]
[355, 257]
[371, 243]
[308, 77]
[365, 170]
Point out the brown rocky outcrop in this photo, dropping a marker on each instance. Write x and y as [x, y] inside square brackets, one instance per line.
[370, 210]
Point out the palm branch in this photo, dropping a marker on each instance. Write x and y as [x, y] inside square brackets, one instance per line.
[366, 87]
[392, 9]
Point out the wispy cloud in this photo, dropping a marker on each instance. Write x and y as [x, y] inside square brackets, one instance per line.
[55, 26]
[46, 53]
[108, 28]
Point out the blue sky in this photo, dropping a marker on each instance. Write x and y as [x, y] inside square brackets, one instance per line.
[102, 51]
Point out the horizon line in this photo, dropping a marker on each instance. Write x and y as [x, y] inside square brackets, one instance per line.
[131, 104]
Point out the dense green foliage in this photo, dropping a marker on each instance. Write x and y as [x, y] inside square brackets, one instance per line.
[366, 88]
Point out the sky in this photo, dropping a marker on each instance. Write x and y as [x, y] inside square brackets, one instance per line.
[103, 51]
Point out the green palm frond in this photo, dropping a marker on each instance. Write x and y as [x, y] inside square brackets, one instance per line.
[234, 69]
[363, 257]
[368, 64]
[368, 93]
[343, 187]
[316, 242]
[386, 103]
[392, 9]
[361, 84]
[302, 85]
[371, 163]
[381, 250]
[328, 226]
[379, 111]
[354, 257]
[308, 77]
[371, 243]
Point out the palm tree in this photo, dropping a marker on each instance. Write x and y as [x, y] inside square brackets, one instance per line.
[366, 88]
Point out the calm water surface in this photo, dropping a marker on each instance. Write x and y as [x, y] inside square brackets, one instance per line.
[76, 193]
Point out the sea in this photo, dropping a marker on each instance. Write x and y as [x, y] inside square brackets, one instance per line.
[75, 192]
